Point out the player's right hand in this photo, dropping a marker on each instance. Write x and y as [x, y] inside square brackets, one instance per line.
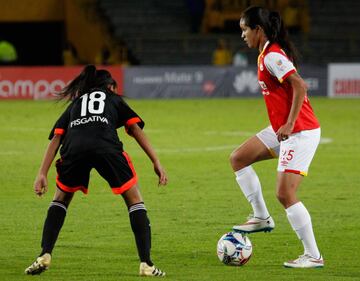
[40, 185]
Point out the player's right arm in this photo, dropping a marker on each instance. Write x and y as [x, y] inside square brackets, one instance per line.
[41, 183]
[299, 94]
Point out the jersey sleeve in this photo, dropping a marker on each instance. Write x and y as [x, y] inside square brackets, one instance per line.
[61, 124]
[128, 116]
[279, 65]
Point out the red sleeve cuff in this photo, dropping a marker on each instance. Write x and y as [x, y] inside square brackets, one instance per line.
[287, 75]
[132, 121]
[59, 131]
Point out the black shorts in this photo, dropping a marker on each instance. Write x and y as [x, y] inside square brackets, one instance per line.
[115, 168]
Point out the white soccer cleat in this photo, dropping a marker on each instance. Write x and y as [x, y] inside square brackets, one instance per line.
[305, 261]
[255, 224]
[41, 264]
[152, 271]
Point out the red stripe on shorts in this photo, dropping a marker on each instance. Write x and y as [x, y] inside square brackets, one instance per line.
[130, 183]
[65, 188]
[295, 172]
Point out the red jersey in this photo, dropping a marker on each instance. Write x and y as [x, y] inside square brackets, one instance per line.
[273, 68]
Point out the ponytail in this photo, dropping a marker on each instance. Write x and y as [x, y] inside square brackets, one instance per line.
[277, 26]
[88, 78]
[274, 29]
[280, 35]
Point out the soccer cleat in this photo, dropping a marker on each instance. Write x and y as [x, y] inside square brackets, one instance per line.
[305, 261]
[255, 224]
[41, 264]
[146, 270]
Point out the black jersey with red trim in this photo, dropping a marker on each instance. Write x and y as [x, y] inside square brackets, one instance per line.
[89, 124]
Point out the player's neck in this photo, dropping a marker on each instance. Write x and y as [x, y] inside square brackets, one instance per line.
[262, 43]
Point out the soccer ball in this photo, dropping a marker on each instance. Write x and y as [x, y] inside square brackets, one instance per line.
[234, 249]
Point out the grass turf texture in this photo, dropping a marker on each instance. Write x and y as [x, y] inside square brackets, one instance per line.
[201, 202]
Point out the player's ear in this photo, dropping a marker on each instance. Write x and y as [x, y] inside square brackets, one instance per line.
[112, 88]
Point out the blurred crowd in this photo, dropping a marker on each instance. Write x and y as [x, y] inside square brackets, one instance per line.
[115, 53]
[206, 16]
[223, 15]
[223, 55]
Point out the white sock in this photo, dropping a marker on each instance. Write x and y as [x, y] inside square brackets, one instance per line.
[250, 185]
[300, 221]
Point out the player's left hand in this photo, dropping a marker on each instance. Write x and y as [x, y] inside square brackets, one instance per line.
[284, 132]
[159, 170]
[40, 185]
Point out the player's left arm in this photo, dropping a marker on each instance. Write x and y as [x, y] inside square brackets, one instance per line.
[299, 94]
[141, 138]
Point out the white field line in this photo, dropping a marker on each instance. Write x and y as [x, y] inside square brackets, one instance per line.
[14, 152]
[229, 133]
[249, 134]
[196, 149]
[215, 148]
[234, 134]
[25, 129]
[178, 149]
[326, 140]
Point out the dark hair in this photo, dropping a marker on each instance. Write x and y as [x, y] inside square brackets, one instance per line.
[273, 26]
[88, 79]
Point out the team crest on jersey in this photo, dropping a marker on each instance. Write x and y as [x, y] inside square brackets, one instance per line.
[261, 66]
[280, 65]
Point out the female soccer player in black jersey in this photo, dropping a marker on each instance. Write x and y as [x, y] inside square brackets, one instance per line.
[87, 134]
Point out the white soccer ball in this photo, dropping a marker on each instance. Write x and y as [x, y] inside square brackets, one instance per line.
[233, 248]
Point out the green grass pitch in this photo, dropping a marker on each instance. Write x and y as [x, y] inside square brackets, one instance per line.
[201, 202]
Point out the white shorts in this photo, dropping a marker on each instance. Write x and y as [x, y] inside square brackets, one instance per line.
[296, 153]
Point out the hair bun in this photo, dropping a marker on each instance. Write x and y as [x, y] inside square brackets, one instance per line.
[274, 15]
[90, 68]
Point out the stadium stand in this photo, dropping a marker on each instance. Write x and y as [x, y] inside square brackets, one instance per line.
[331, 39]
[158, 32]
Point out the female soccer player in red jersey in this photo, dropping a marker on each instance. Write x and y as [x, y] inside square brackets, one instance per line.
[86, 132]
[293, 136]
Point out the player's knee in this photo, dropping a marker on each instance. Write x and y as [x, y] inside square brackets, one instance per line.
[282, 197]
[132, 196]
[235, 159]
[286, 199]
[64, 197]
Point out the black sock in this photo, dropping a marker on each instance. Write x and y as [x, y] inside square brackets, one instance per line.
[53, 223]
[140, 225]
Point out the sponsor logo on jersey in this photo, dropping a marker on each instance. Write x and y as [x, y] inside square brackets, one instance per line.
[85, 120]
[265, 90]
